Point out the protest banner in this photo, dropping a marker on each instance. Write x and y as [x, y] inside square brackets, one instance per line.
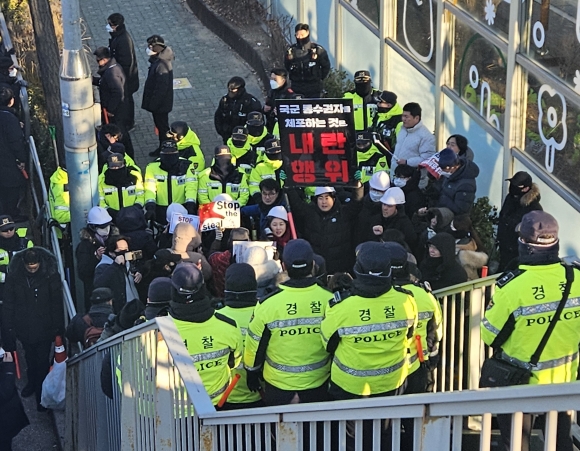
[176, 218]
[318, 141]
[221, 214]
[239, 248]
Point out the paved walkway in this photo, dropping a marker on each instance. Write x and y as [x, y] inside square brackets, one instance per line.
[200, 57]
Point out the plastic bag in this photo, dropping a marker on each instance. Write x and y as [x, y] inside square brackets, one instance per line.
[54, 387]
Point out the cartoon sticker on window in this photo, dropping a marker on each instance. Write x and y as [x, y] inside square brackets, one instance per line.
[418, 30]
[550, 123]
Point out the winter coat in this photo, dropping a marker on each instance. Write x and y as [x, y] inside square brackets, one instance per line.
[471, 260]
[400, 222]
[266, 270]
[233, 112]
[458, 190]
[33, 302]
[369, 212]
[444, 271]
[510, 215]
[12, 415]
[112, 87]
[415, 145]
[132, 224]
[99, 314]
[118, 279]
[330, 233]
[123, 50]
[12, 148]
[190, 251]
[414, 197]
[158, 89]
[422, 225]
[85, 254]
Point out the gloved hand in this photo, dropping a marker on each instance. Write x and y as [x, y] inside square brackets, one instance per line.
[150, 211]
[191, 207]
[283, 175]
[253, 381]
[358, 175]
[432, 362]
[219, 234]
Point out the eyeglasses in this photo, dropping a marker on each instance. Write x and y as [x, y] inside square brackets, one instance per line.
[269, 193]
[11, 229]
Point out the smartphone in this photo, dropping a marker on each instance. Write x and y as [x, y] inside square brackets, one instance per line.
[134, 255]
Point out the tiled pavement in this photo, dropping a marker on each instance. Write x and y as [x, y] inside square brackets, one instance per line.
[200, 56]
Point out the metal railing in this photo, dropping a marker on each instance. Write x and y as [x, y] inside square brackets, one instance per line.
[159, 403]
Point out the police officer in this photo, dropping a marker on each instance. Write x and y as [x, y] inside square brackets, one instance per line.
[364, 100]
[257, 134]
[388, 120]
[59, 197]
[369, 158]
[222, 177]
[169, 179]
[279, 89]
[307, 63]
[240, 299]
[283, 341]
[120, 186]
[269, 168]
[12, 240]
[243, 156]
[213, 340]
[188, 144]
[234, 107]
[523, 305]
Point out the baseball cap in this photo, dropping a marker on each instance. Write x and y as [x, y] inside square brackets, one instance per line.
[538, 227]
[521, 178]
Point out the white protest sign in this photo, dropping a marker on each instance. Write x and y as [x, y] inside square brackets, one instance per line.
[176, 218]
[221, 214]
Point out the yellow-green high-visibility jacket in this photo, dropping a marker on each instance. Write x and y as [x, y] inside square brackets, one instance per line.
[164, 189]
[369, 338]
[236, 186]
[527, 299]
[115, 198]
[59, 197]
[190, 147]
[212, 344]
[429, 325]
[361, 110]
[370, 162]
[388, 124]
[266, 169]
[5, 255]
[284, 336]
[128, 162]
[241, 158]
[241, 393]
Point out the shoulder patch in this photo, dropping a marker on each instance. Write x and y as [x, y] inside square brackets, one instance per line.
[508, 276]
[402, 290]
[225, 319]
[276, 291]
[338, 297]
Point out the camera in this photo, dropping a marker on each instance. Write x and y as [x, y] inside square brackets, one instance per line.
[134, 255]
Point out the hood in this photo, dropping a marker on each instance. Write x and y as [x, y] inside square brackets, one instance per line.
[253, 140]
[190, 139]
[185, 239]
[265, 269]
[446, 245]
[472, 258]
[59, 177]
[444, 217]
[395, 111]
[531, 196]
[468, 170]
[130, 219]
[48, 265]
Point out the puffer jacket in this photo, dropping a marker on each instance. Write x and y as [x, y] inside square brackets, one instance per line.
[266, 270]
[158, 89]
[415, 145]
[132, 224]
[458, 190]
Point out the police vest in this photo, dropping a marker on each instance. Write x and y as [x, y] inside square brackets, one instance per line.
[370, 162]
[363, 112]
[118, 197]
[429, 324]
[528, 298]
[264, 170]
[59, 197]
[371, 356]
[210, 344]
[241, 393]
[242, 157]
[208, 188]
[164, 189]
[288, 324]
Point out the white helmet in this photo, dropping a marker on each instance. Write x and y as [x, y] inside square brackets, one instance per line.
[174, 208]
[393, 196]
[324, 190]
[98, 216]
[278, 212]
[223, 197]
[380, 181]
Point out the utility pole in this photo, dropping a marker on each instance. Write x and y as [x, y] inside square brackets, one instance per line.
[79, 113]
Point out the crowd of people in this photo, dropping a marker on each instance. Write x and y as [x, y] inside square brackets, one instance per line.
[336, 305]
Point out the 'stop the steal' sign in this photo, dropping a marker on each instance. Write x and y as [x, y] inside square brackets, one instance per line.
[318, 141]
[221, 214]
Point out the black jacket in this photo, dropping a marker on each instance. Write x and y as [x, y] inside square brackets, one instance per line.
[510, 215]
[444, 271]
[458, 190]
[12, 415]
[400, 222]
[12, 148]
[112, 87]
[232, 112]
[369, 212]
[115, 277]
[330, 233]
[307, 66]
[158, 89]
[33, 303]
[99, 315]
[132, 224]
[123, 50]
[282, 93]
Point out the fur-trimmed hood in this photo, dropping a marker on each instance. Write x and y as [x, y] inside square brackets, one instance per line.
[47, 260]
[532, 195]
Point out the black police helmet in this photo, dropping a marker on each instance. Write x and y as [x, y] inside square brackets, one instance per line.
[179, 129]
[272, 146]
[236, 83]
[255, 118]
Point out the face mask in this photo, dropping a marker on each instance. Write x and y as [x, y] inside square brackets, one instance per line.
[150, 52]
[515, 190]
[239, 143]
[109, 28]
[274, 84]
[363, 89]
[383, 109]
[103, 231]
[375, 195]
[445, 174]
[169, 160]
[274, 156]
[302, 42]
[400, 182]
[255, 130]
[13, 73]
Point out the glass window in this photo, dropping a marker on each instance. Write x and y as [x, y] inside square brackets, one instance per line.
[371, 9]
[493, 13]
[553, 133]
[416, 29]
[554, 40]
[480, 74]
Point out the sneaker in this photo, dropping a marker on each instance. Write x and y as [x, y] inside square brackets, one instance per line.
[27, 391]
[155, 153]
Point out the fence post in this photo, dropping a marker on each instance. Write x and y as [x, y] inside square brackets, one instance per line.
[289, 436]
[477, 300]
[128, 401]
[165, 410]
